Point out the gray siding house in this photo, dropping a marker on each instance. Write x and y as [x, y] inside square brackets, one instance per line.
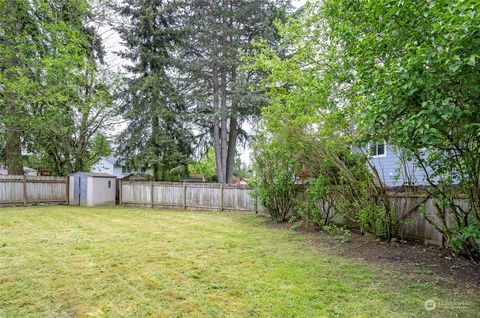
[392, 169]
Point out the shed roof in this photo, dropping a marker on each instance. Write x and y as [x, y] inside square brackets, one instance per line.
[94, 174]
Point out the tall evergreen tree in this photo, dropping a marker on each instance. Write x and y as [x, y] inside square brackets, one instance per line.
[224, 95]
[157, 136]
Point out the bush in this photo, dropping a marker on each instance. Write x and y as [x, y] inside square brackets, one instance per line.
[320, 199]
[375, 220]
[339, 231]
[274, 179]
[466, 240]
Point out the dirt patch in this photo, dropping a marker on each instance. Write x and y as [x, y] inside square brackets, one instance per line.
[419, 259]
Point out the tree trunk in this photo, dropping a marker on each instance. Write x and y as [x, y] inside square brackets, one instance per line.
[216, 129]
[82, 141]
[155, 132]
[232, 146]
[224, 128]
[232, 136]
[13, 149]
[83, 131]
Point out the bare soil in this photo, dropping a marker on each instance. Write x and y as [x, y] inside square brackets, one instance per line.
[419, 259]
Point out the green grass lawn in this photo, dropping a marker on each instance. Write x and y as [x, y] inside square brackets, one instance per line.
[126, 262]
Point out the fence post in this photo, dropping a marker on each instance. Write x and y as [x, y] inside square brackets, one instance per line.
[120, 185]
[67, 191]
[184, 195]
[24, 181]
[255, 205]
[221, 196]
[151, 193]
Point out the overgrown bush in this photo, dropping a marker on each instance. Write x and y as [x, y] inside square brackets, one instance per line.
[376, 221]
[274, 178]
[334, 179]
[467, 239]
[459, 224]
[341, 183]
[358, 73]
[318, 204]
[342, 232]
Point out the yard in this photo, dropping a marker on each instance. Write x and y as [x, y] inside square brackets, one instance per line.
[124, 262]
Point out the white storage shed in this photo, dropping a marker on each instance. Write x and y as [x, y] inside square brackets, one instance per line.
[91, 188]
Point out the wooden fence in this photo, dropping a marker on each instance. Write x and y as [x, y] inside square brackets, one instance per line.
[21, 190]
[215, 196]
[416, 226]
[205, 196]
[25, 190]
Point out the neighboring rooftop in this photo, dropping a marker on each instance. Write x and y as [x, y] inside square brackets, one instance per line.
[94, 174]
[26, 170]
[110, 159]
[194, 178]
[137, 177]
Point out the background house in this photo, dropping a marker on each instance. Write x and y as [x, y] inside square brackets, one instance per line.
[393, 170]
[239, 181]
[26, 171]
[113, 166]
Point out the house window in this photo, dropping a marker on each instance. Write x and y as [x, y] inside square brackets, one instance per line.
[378, 150]
[109, 184]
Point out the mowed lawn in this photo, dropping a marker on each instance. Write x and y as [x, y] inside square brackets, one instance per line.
[126, 262]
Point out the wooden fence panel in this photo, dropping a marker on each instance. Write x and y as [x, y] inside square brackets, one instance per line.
[11, 189]
[209, 196]
[15, 190]
[136, 193]
[168, 194]
[415, 225]
[238, 198]
[46, 189]
[204, 196]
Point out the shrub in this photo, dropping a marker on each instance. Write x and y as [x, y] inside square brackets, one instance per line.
[274, 179]
[342, 232]
[467, 239]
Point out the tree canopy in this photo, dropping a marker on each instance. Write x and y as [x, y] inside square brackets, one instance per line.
[54, 96]
[401, 72]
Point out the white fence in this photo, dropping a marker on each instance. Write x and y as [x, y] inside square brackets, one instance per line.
[207, 196]
[25, 190]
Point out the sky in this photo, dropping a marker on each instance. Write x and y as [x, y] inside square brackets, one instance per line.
[113, 45]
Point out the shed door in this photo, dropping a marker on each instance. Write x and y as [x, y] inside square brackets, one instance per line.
[76, 190]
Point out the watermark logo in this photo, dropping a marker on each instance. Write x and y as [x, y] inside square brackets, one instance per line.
[430, 304]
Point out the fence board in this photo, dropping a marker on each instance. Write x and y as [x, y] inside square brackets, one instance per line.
[209, 196]
[33, 190]
[168, 195]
